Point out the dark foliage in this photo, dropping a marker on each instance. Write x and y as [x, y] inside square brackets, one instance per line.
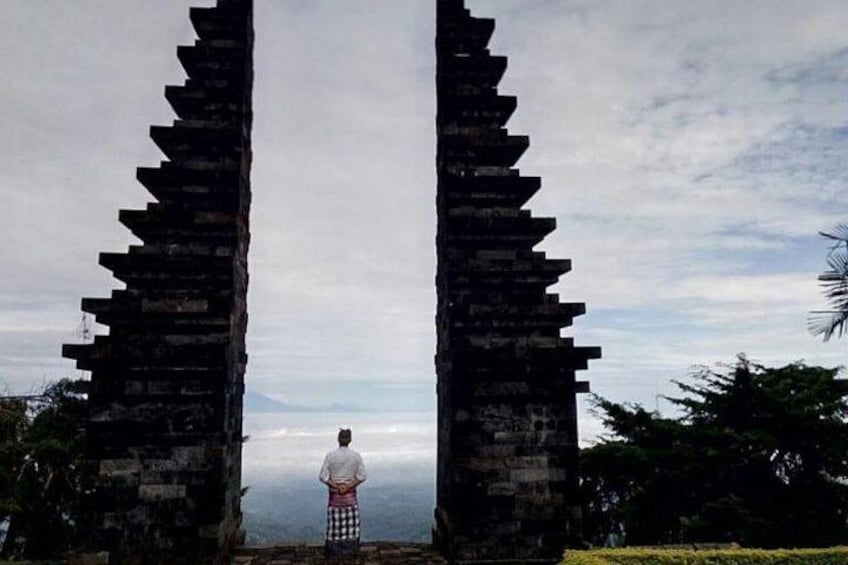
[758, 456]
[40, 449]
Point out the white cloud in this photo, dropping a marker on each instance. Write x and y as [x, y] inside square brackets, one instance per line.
[688, 150]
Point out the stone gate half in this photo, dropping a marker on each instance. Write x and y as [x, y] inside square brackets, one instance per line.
[507, 438]
[164, 431]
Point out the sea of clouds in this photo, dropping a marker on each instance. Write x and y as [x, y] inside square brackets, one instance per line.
[282, 457]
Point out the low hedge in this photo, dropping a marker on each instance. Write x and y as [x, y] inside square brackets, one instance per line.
[646, 556]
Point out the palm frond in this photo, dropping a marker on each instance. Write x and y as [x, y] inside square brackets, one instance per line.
[837, 260]
[834, 285]
[838, 233]
[826, 323]
[836, 294]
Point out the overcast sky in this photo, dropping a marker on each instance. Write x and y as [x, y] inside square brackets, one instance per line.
[690, 151]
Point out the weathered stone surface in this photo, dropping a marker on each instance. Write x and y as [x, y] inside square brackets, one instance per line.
[164, 434]
[378, 553]
[98, 558]
[118, 467]
[507, 481]
[161, 492]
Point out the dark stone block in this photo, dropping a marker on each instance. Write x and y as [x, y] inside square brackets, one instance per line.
[164, 435]
[508, 429]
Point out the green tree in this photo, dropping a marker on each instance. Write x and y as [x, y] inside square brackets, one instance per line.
[758, 456]
[834, 284]
[40, 450]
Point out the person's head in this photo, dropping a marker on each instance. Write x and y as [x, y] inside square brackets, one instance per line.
[344, 437]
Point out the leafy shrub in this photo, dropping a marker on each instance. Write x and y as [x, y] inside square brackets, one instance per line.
[40, 451]
[646, 556]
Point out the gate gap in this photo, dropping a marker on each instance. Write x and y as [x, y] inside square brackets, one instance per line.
[341, 295]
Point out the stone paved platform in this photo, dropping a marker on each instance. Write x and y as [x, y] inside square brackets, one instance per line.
[380, 553]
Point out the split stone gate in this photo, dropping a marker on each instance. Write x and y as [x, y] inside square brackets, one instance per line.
[164, 431]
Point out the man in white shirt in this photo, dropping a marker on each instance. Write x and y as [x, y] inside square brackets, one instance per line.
[342, 472]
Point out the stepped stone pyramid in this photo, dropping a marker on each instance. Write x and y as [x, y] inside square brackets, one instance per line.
[164, 433]
[507, 438]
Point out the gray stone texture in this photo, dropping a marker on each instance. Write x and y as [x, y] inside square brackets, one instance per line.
[507, 438]
[163, 445]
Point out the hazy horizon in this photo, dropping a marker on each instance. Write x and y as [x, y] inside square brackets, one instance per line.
[282, 457]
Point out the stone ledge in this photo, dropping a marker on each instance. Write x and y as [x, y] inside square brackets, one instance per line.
[377, 553]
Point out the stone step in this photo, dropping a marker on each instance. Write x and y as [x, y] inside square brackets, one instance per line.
[188, 140]
[220, 22]
[479, 69]
[192, 101]
[202, 189]
[382, 553]
[482, 146]
[466, 35]
[213, 59]
[482, 191]
[498, 233]
[486, 108]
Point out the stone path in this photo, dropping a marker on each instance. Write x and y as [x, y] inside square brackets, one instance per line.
[380, 553]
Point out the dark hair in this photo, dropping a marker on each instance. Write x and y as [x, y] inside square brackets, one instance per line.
[344, 436]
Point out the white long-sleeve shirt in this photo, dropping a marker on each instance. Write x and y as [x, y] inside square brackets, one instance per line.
[342, 465]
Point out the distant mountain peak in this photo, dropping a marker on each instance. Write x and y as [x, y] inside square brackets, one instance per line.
[258, 403]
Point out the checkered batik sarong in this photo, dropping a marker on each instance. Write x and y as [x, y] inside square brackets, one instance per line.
[343, 523]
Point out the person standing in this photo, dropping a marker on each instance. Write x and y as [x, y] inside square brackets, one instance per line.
[342, 471]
